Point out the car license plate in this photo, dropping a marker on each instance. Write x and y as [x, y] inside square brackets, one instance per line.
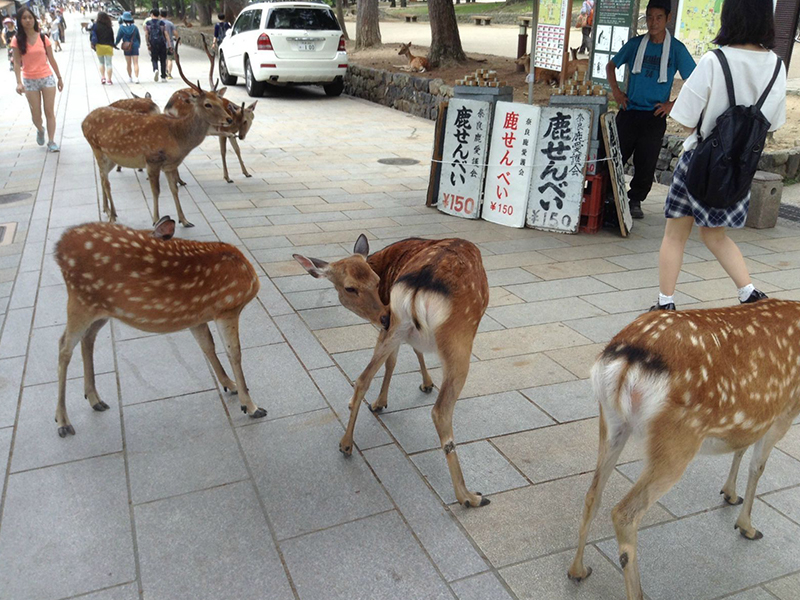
[305, 46]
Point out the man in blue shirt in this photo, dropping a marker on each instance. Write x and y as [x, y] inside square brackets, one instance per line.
[653, 59]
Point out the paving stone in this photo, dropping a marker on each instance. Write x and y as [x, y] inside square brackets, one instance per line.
[646, 260]
[42, 364]
[752, 594]
[14, 341]
[5, 447]
[334, 316]
[568, 401]
[344, 339]
[501, 297]
[474, 419]
[633, 300]
[434, 526]
[719, 289]
[787, 588]
[353, 363]
[485, 586]
[791, 442]
[404, 392]
[510, 277]
[305, 345]
[300, 283]
[559, 288]
[603, 328]
[298, 470]
[711, 269]
[546, 578]
[332, 564]
[272, 299]
[255, 329]
[25, 290]
[580, 268]
[786, 501]
[577, 360]
[548, 311]
[51, 307]
[542, 519]
[200, 545]
[537, 242]
[10, 384]
[97, 433]
[78, 526]
[700, 484]
[640, 278]
[485, 471]
[129, 591]
[781, 260]
[702, 550]
[517, 259]
[524, 340]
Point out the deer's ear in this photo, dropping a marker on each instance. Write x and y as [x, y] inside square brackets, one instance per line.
[252, 107]
[221, 92]
[164, 229]
[362, 246]
[316, 268]
[148, 95]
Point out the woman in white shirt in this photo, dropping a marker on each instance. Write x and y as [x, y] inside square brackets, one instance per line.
[746, 33]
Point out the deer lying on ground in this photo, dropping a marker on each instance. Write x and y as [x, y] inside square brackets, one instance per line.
[154, 283]
[144, 106]
[430, 294]
[416, 64]
[713, 381]
[156, 142]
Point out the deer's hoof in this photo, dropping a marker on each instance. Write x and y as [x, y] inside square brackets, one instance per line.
[100, 406]
[63, 431]
[259, 414]
[483, 502]
[376, 409]
[247, 175]
[757, 535]
[579, 578]
[187, 224]
[229, 180]
[231, 390]
[729, 500]
[346, 450]
[426, 388]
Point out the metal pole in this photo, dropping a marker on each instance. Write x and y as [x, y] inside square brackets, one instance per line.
[534, 27]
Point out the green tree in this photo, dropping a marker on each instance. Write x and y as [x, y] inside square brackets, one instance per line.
[368, 32]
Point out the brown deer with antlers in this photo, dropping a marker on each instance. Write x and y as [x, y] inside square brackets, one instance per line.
[430, 294]
[692, 381]
[156, 142]
[151, 282]
[137, 104]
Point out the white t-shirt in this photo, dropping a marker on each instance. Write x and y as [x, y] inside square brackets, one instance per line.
[705, 91]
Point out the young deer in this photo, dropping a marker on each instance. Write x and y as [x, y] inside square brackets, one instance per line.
[712, 381]
[416, 64]
[430, 294]
[154, 283]
[157, 142]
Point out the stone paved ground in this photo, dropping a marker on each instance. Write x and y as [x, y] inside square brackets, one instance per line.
[175, 494]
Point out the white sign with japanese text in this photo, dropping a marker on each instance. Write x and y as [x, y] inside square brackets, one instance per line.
[556, 189]
[510, 158]
[466, 137]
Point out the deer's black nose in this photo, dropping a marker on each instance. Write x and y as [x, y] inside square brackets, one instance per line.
[386, 321]
[230, 120]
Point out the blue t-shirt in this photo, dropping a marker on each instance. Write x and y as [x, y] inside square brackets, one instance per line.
[644, 91]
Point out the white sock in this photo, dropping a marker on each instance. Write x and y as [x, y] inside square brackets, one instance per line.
[663, 300]
[744, 293]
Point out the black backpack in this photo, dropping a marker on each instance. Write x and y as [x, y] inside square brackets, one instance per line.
[154, 33]
[723, 164]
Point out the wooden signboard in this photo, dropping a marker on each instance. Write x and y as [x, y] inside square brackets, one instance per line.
[556, 188]
[511, 158]
[466, 138]
[617, 172]
[436, 159]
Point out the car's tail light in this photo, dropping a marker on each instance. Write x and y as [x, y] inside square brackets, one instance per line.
[264, 43]
[341, 47]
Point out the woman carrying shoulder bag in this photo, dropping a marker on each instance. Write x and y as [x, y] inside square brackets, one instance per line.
[128, 34]
[746, 34]
[102, 40]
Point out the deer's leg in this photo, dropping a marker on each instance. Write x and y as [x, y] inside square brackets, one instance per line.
[761, 450]
[427, 383]
[667, 460]
[611, 446]
[206, 342]
[181, 182]
[235, 145]
[105, 165]
[79, 319]
[386, 346]
[172, 178]
[228, 326]
[728, 490]
[223, 151]
[87, 351]
[154, 176]
[383, 397]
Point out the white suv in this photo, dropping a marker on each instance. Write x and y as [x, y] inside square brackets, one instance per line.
[283, 43]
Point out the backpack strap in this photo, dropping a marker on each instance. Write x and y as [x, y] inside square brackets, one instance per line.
[763, 98]
[726, 70]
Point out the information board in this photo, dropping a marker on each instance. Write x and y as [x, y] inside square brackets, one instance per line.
[550, 34]
[617, 172]
[511, 157]
[612, 28]
[697, 24]
[466, 138]
[556, 188]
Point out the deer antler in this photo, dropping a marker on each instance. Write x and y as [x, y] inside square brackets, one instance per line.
[211, 60]
[180, 70]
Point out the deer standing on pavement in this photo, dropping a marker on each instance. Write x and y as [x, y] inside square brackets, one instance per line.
[157, 142]
[144, 106]
[430, 294]
[416, 64]
[692, 381]
[154, 283]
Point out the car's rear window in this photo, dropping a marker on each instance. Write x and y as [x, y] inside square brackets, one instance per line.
[302, 18]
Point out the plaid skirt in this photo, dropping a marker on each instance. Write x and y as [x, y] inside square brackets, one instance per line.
[681, 204]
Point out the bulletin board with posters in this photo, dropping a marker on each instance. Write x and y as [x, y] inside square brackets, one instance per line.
[613, 26]
[551, 33]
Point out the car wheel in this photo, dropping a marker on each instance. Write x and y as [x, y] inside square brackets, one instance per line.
[255, 88]
[227, 78]
[335, 88]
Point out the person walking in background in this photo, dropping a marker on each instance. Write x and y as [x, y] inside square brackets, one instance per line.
[157, 44]
[220, 30]
[102, 39]
[653, 58]
[34, 65]
[169, 34]
[55, 34]
[9, 31]
[62, 26]
[586, 20]
[747, 32]
[128, 34]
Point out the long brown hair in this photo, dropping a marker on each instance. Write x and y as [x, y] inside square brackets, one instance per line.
[22, 36]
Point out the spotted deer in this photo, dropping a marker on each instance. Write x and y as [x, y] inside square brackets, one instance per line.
[137, 104]
[155, 283]
[709, 381]
[416, 64]
[156, 142]
[430, 294]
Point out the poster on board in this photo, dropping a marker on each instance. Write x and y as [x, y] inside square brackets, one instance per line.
[697, 24]
[511, 157]
[550, 34]
[617, 172]
[466, 137]
[556, 188]
[612, 28]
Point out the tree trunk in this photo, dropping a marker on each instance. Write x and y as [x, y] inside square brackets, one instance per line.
[340, 17]
[445, 40]
[205, 11]
[368, 32]
[233, 8]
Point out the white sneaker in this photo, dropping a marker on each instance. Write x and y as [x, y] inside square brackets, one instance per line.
[136, 80]
[155, 76]
[130, 79]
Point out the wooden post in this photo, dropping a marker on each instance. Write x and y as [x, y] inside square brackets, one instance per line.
[567, 30]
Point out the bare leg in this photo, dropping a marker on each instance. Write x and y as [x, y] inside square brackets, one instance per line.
[383, 397]
[427, 382]
[35, 104]
[206, 342]
[235, 145]
[128, 60]
[49, 97]
[223, 151]
[136, 66]
[78, 321]
[670, 257]
[229, 329]
[87, 350]
[728, 490]
[727, 253]
[172, 178]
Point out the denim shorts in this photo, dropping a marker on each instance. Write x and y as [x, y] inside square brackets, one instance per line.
[37, 85]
